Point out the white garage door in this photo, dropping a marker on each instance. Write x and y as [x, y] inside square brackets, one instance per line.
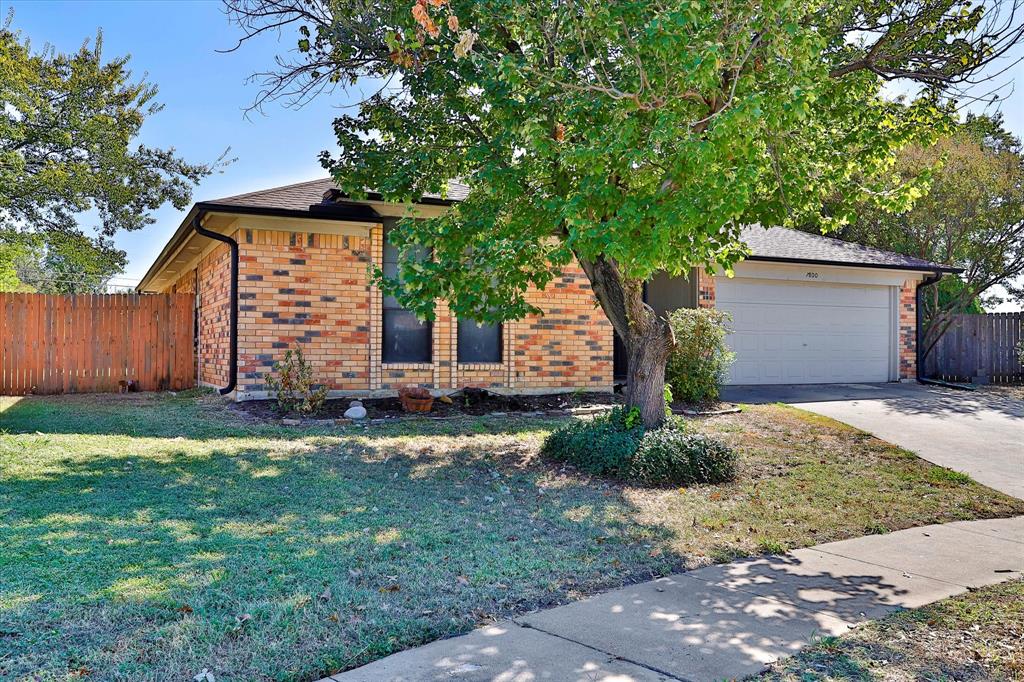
[807, 333]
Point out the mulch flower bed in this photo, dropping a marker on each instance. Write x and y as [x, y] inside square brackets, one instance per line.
[471, 401]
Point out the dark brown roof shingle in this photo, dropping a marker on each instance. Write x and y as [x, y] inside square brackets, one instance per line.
[772, 244]
[302, 195]
[779, 243]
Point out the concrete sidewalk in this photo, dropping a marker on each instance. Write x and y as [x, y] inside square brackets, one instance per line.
[725, 621]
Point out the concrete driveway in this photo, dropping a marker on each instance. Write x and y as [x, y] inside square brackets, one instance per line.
[980, 433]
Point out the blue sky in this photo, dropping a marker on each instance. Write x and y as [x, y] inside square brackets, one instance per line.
[205, 94]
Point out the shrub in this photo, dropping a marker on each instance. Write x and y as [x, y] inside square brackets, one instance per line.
[616, 444]
[294, 385]
[701, 359]
[670, 455]
[603, 445]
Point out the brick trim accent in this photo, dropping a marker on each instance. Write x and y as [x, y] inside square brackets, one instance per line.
[907, 321]
[376, 306]
[705, 290]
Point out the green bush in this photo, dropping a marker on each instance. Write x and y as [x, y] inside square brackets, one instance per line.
[603, 445]
[669, 455]
[616, 444]
[292, 384]
[701, 359]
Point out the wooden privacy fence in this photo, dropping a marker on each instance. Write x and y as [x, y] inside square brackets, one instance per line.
[90, 343]
[979, 346]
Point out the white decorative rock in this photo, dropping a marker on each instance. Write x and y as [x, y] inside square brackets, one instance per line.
[357, 411]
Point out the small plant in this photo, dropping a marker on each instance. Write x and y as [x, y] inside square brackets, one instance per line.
[771, 546]
[827, 643]
[670, 455]
[603, 445]
[292, 383]
[701, 359]
[633, 417]
[941, 475]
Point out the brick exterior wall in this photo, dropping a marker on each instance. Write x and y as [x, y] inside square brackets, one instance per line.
[210, 280]
[308, 289]
[214, 284]
[570, 345]
[186, 284]
[315, 289]
[908, 330]
[705, 290]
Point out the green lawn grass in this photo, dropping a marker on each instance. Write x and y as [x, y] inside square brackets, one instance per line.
[154, 536]
[975, 637]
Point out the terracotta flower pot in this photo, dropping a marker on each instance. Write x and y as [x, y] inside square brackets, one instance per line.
[415, 399]
[410, 404]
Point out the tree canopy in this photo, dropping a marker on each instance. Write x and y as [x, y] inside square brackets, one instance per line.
[68, 125]
[971, 216]
[634, 136]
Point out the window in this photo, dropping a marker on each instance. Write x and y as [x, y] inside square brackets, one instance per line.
[405, 338]
[479, 342]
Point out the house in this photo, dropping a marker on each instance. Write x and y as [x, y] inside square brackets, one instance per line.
[290, 265]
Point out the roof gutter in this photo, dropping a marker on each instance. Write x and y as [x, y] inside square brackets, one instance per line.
[927, 267]
[233, 340]
[928, 281]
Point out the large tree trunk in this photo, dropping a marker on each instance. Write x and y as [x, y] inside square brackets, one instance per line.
[648, 338]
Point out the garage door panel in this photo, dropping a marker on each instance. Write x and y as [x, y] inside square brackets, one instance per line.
[786, 332]
[775, 293]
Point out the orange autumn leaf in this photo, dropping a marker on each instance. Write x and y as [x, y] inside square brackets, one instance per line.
[420, 14]
[422, 17]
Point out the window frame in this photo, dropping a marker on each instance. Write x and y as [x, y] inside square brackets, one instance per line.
[500, 345]
[389, 305]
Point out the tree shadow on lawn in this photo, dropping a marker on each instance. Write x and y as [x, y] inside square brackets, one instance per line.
[338, 551]
[201, 415]
[291, 554]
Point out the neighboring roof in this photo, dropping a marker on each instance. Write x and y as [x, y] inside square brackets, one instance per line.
[302, 195]
[780, 244]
